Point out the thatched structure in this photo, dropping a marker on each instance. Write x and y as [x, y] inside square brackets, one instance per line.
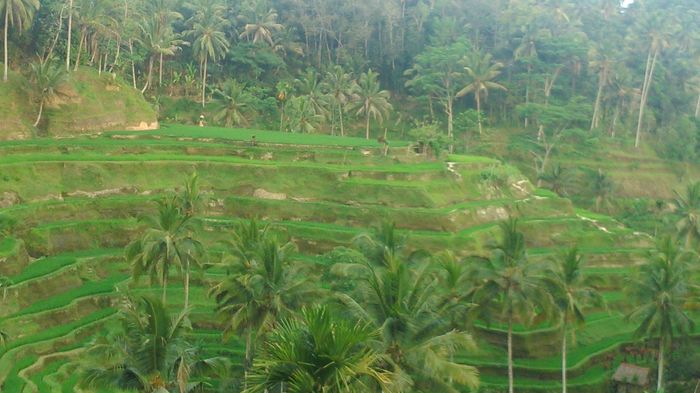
[629, 378]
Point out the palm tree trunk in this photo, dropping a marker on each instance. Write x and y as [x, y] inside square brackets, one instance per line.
[80, 49]
[133, 64]
[187, 288]
[596, 106]
[450, 116]
[38, 117]
[70, 30]
[204, 80]
[697, 107]
[367, 122]
[563, 362]
[148, 77]
[660, 377]
[342, 126]
[645, 94]
[477, 96]
[510, 354]
[165, 287]
[7, 17]
[160, 71]
[55, 38]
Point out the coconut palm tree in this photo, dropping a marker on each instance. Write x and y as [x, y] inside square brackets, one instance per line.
[456, 282]
[399, 300]
[149, 354]
[168, 242]
[231, 101]
[602, 188]
[688, 208]
[206, 29]
[45, 79]
[558, 178]
[572, 294]
[309, 86]
[262, 286]
[510, 285]
[5, 284]
[662, 291]
[383, 245]
[19, 14]
[342, 89]
[190, 198]
[262, 28]
[371, 100]
[481, 71]
[160, 40]
[318, 353]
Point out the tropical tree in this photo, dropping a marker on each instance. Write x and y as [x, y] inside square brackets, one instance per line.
[319, 353]
[262, 28]
[19, 14]
[455, 283]
[558, 178]
[481, 71]
[150, 353]
[687, 207]
[206, 29]
[160, 40]
[342, 89]
[45, 79]
[662, 291]
[510, 285]
[572, 294]
[437, 72]
[262, 286]
[5, 284]
[168, 242]
[231, 101]
[602, 187]
[371, 100]
[398, 300]
[383, 245]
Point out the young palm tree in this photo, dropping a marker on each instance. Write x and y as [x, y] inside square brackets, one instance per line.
[372, 101]
[45, 79]
[309, 86]
[688, 208]
[455, 284]
[383, 245]
[510, 285]
[342, 89]
[662, 291]
[481, 71]
[231, 101]
[190, 197]
[558, 178]
[400, 302]
[318, 353]
[209, 40]
[572, 293]
[602, 187]
[5, 284]
[262, 286]
[17, 13]
[168, 243]
[149, 354]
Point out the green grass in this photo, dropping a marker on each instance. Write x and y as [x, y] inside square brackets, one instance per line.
[273, 137]
[45, 266]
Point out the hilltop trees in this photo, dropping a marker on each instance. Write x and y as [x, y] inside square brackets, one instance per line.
[480, 74]
[45, 79]
[18, 14]
[372, 101]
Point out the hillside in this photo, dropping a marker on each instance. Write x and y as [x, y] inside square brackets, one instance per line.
[86, 103]
[70, 222]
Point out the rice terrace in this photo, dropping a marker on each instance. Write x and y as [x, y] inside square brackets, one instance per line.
[326, 196]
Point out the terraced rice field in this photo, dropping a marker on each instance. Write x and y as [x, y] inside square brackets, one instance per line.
[70, 206]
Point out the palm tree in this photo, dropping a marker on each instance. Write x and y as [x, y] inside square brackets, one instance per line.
[481, 72]
[309, 86]
[231, 101]
[455, 284]
[149, 354]
[662, 291]
[190, 197]
[400, 302]
[318, 353]
[262, 29]
[261, 287]
[168, 243]
[558, 179]
[372, 101]
[572, 293]
[160, 40]
[342, 89]
[602, 188]
[510, 284]
[18, 13]
[383, 245]
[45, 79]
[209, 40]
[688, 208]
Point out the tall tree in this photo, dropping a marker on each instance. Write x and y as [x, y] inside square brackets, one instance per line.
[510, 284]
[206, 28]
[372, 101]
[19, 14]
[343, 90]
[231, 102]
[662, 291]
[573, 292]
[687, 207]
[481, 71]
